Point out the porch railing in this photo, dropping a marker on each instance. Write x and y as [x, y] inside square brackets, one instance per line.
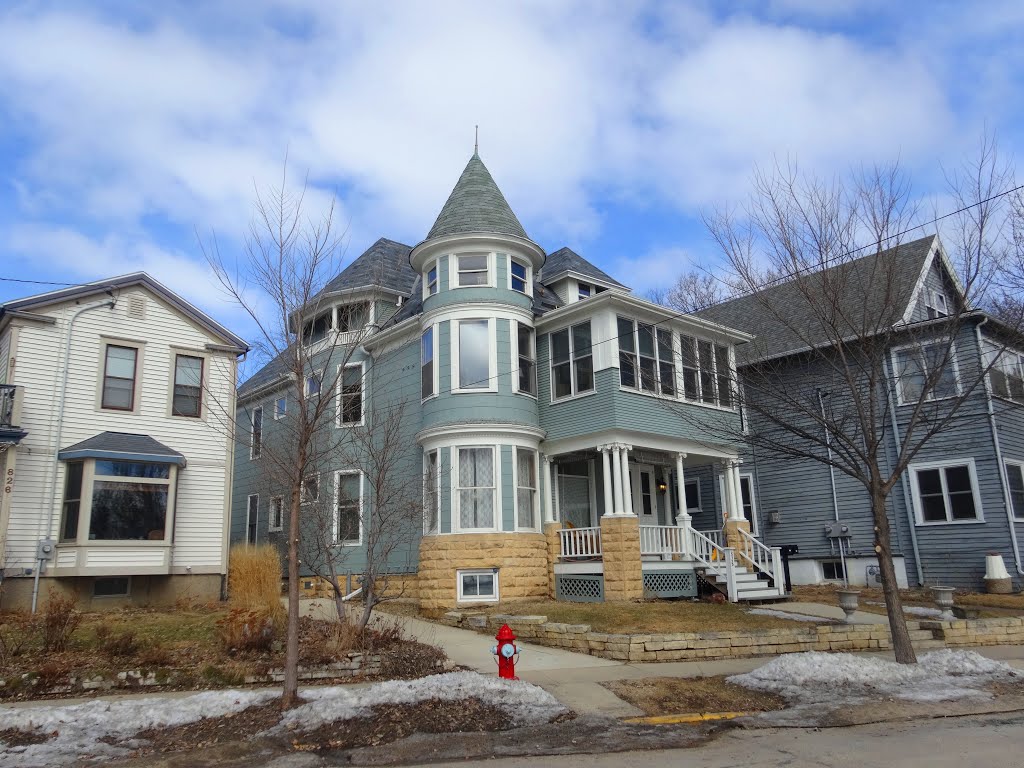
[665, 540]
[718, 560]
[7, 392]
[715, 536]
[767, 560]
[580, 542]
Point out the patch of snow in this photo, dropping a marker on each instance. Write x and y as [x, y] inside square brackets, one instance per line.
[80, 727]
[785, 615]
[842, 678]
[524, 703]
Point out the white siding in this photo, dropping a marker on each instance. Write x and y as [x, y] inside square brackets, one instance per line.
[205, 442]
[5, 354]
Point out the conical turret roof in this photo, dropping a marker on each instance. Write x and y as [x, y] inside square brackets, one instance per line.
[476, 205]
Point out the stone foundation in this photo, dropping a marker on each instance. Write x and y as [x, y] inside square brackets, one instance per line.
[145, 591]
[925, 635]
[521, 560]
[620, 548]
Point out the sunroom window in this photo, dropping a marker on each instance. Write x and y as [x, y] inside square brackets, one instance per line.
[353, 317]
[572, 361]
[646, 360]
[1007, 375]
[707, 372]
[317, 329]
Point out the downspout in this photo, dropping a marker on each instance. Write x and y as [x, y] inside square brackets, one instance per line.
[111, 302]
[832, 480]
[904, 483]
[1007, 501]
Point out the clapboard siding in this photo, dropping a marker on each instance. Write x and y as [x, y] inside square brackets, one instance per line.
[205, 442]
[5, 353]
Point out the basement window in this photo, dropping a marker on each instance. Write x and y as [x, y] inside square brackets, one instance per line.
[478, 586]
[832, 570]
[112, 586]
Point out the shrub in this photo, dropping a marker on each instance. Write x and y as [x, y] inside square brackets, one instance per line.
[254, 580]
[155, 656]
[243, 630]
[114, 646]
[16, 630]
[59, 621]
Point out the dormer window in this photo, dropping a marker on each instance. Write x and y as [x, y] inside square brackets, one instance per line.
[472, 269]
[935, 304]
[432, 279]
[317, 328]
[585, 291]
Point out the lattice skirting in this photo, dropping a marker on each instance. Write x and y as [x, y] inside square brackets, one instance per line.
[579, 588]
[671, 583]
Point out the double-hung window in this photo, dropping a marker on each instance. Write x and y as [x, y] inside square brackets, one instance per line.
[350, 396]
[119, 377]
[1015, 479]
[276, 521]
[430, 283]
[583, 291]
[946, 492]
[188, 386]
[646, 357]
[707, 372]
[526, 352]
[280, 407]
[472, 269]
[927, 370]
[519, 276]
[476, 488]
[935, 304]
[428, 385]
[572, 361]
[256, 442]
[526, 488]
[348, 507]
[310, 489]
[1007, 375]
[431, 493]
[475, 368]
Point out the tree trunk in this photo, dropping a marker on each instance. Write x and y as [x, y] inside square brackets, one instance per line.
[369, 600]
[290, 694]
[339, 603]
[901, 644]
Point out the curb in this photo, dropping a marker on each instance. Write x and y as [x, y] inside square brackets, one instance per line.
[686, 717]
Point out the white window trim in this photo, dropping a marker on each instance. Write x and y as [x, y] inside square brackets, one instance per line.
[677, 346]
[477, 572]
[933, 297]
[492, 356]
[536, 490]
[919, 520]
[249, 513]
[434, 264]
[900, 400]
[453, 270]
[513, 329]
[362, 396]
[673, 337]
[573, 393]
[255, 453]
[1020, 465]
[334, 509]
[529, 274]
[700, 501]
[437, 490]
[435, 359]
[317, 376]
[279, 500]
[993, 355]
[278, 415]
[456, 497]
[749, 477]
[303, 496]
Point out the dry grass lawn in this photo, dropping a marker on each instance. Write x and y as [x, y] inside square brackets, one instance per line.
[675, 696]
[661, 617]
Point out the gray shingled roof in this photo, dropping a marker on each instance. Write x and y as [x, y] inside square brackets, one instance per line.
[876, 289]
[273, 370]
[111, 444]
[567, 260]
[385, 264]
[476, 205]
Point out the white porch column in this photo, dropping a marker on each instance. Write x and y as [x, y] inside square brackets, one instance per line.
[549, 515]
[617, 477]
[732, 481]
[627, 487]
[606, 463]
[683, 517]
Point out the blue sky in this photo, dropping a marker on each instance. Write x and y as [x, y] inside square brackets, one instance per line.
[127, 129]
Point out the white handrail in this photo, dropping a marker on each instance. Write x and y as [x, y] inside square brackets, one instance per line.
[762, 558]
[580, 542]
[665, 540]
[715, 535]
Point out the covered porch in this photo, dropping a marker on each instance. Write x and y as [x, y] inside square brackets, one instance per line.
[628, 520]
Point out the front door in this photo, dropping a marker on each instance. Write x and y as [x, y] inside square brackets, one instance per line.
[574, 494]
[645, 503]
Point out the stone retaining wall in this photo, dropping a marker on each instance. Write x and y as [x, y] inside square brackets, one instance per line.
[926, 635]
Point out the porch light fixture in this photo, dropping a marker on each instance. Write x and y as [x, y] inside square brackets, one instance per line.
[662, 486]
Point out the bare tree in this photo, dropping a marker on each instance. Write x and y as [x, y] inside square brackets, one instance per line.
[832, 326]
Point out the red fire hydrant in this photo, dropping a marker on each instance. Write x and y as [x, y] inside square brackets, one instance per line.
[506, 652]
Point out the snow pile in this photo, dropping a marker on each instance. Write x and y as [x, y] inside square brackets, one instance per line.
[786, 615]
[80, 727]
[827, 678]
[524, 703]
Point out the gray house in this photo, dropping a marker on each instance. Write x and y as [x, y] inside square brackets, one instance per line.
[546, 414]
[962, 496]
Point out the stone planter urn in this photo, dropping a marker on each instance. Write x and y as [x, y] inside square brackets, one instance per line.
[848, 602]
[943, 597]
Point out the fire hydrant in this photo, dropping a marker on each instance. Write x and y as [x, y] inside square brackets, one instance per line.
[506, 652]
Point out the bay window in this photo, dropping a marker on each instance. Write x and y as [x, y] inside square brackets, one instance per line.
[475, 489]
[428, 383]
[572, 361]
[526, 353]
[117, 500]
[526, 489]
[431, 493]
[474, 355]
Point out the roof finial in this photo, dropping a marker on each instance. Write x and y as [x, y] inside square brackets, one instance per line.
[476, 140]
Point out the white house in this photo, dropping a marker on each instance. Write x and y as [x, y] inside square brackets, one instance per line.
[116, 444]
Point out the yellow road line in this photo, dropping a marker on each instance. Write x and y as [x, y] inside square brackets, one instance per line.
[687, 717]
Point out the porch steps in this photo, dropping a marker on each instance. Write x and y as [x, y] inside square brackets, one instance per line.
[750, 587]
